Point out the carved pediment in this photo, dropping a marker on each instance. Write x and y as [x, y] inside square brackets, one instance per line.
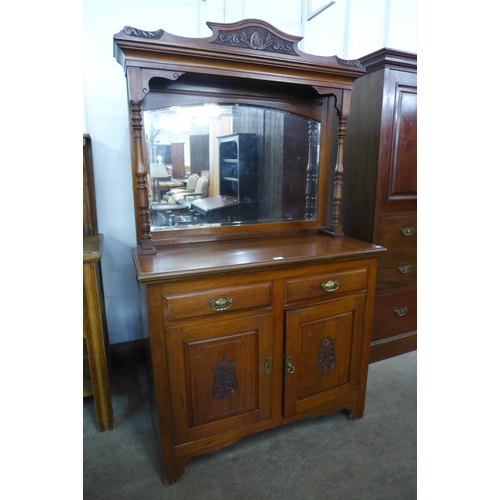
[255, 35]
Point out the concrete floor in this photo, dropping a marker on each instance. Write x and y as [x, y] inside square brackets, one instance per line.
[321, 458]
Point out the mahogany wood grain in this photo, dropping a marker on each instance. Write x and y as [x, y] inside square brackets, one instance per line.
[380, 184]
[395, 314]
[397, 232]
[396, 269]
[394, 346]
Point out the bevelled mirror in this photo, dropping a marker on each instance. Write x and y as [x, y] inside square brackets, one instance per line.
[233, 135]
[230, 164]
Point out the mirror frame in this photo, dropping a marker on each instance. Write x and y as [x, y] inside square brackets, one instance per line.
[247, 51]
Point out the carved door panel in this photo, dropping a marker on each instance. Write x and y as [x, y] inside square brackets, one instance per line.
[322, 356]
[220, 376]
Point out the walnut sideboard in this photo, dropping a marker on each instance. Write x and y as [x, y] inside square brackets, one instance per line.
[258, 334]
[259, 312]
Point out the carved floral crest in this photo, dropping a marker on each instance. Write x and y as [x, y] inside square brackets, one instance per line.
[256, 38]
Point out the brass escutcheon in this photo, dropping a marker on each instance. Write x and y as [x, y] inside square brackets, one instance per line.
[289, 367]
[401, 312]
[267, 365]
[330, 286]
[407, 231]
[221, 304]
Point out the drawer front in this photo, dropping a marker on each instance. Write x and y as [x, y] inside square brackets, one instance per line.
[397, 232]
[216, 301]
[397, 269]
[394, 314]
[325, 285]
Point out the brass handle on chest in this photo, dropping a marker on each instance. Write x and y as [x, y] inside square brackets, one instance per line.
[221, 304]
[404, 269]
[289, 367]
[407, 231]
[401, 312]
[330, 286]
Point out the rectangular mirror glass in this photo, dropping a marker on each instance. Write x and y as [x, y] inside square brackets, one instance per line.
[220, 164]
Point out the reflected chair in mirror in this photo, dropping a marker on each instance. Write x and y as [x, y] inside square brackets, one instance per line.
[189, 188]
[200, 191]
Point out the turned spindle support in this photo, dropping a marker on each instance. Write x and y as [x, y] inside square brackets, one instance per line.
[336, 226]
[145, 242]
[312, 172]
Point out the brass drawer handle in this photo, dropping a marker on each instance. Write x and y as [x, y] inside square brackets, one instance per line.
[404, 269]
[267, 366]
[289, 367]
[330, 286]
[407, 231]
[401, 312]
[221, 304]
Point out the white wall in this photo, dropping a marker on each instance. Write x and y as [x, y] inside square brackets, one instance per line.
[349, 29]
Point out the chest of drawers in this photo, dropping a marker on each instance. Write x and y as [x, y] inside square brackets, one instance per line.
[380, 190]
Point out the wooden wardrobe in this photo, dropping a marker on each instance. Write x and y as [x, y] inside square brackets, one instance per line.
[380, 191]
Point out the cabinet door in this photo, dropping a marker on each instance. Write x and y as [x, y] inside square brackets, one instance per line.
[398, 154]
[323, 352]
[220, 376]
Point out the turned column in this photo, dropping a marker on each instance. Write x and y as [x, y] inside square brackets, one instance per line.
[312, 173]
[145, 242]
[336, 226]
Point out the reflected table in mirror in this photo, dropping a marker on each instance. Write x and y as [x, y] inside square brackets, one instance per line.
[220, 208]
[168, 215]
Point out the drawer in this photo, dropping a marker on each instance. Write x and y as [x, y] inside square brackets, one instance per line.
[216, 301]
[397, 232]
[396, 269]
[318, 285]
[394, 314]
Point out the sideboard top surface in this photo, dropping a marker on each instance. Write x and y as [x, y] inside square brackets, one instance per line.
[208, 258]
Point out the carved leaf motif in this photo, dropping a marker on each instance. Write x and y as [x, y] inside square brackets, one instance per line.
[130, 31]
[326, 356]
[256, 41]
[351, 63]
[225, 382]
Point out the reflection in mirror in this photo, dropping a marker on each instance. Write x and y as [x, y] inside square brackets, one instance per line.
[229, 165]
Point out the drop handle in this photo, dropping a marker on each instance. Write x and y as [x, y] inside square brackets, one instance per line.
[407, 231]
[330, 286]
[289, 366]
[404, 269]
[401, 312]
[221, 304]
